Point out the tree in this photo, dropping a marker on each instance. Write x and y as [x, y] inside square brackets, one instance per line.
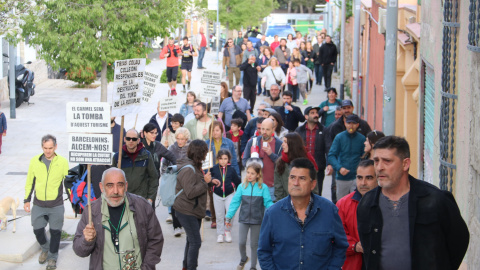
[11, 16]
[81, 34]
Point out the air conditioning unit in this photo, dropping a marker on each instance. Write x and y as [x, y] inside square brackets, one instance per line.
[382, 20]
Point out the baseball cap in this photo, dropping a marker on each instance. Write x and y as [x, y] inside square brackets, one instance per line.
[270, 110]
[309, 108]
[347, 102]
[353, 119]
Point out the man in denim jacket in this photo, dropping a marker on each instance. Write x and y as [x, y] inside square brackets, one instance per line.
[303, 230]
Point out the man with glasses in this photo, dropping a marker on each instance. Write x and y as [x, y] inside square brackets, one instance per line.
[238, 40]
[124, 233]
[139, 167]
[234, 103]
[232, 59]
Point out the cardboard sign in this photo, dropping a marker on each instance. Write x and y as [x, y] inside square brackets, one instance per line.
[215, 105]
[88, 117]
[168, 104]
[210, 84]
[128, 86]
[90, 148]
[150, 83]
[208, 162]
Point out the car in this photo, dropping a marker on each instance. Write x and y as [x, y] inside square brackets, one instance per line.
[282, 30]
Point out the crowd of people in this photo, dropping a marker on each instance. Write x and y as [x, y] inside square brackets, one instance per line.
[384, 218]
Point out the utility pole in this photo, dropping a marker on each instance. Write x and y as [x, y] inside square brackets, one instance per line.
[356, 46]
[342, 52]
[12, 59]
[217, 40]
[390, 71]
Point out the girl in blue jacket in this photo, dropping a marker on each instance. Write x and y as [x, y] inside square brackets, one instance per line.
[254, 198]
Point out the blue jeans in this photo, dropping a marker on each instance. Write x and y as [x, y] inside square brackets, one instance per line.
[191, 225]
[259, 86]
[318, 73]
[201, 54]
[241, 78]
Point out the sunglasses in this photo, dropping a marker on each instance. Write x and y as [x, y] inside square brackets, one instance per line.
[131, 139]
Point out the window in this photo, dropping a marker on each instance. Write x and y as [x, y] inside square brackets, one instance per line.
[474, 26]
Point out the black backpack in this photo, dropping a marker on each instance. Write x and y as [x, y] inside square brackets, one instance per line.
[239, 114]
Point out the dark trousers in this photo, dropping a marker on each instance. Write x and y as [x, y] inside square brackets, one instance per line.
[250, 94]
[294, 89]
[212, 206]
[318, 73]
[334, 188]
[327, 73]
[176, 222]
[191, 225]
[320, 178]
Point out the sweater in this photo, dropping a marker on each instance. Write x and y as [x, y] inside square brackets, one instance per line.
[346, 151]
[272, 76]
[232, 181]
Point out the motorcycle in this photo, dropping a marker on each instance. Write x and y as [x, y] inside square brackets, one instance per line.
[24, 86]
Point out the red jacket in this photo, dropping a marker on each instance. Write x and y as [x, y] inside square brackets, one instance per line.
[172, 60]
[347, 210]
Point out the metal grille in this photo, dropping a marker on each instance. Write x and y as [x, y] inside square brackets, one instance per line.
[448, 92]
[474, 26]
[429, 122]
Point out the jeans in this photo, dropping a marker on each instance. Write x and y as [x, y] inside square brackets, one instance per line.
[241, 78]
[221, 208]
[201, 54]
[191, 225]
[1, 136]
[242, 239]
[272, 193]
[318, 73]
[176, 222]
[327, 73]
[259, 87]
[249, 94]
[344, 187]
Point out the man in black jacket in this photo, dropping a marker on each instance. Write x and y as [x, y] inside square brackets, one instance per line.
[291, 115]
[250, 70]
[328, 53]
[313, 137]
[406, 223]
[160, 121]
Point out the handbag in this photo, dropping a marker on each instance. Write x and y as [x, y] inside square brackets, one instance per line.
[277, 81]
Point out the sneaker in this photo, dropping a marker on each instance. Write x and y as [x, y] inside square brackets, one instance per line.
[177, 232]
[241, 265]
[228, 237]
[220, 238]
[214, 225]
[305, 102]
[208, 215]
[52, 264]
[173, 92]
[183, 231]
[188, 86]
[169, 219]
[43, 257]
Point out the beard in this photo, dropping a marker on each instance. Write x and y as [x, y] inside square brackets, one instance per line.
[113, 204]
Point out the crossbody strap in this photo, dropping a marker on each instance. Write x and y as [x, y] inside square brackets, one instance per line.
[188, 166]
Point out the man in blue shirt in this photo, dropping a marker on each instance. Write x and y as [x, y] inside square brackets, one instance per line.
[314, 240]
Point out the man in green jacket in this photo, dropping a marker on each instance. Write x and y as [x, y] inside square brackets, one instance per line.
[45, 175]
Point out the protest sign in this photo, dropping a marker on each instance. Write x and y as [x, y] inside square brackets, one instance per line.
[215, 105]
[128, 86]
[168, 104]
[89, 117]
[150, 84]
[90, 148]
[208, 162]
[210, 83]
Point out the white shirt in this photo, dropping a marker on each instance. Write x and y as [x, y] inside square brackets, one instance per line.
[161, 121]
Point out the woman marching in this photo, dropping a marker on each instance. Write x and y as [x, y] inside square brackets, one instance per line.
[253, 197]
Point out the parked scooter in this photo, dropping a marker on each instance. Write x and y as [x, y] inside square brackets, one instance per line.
[24, 86]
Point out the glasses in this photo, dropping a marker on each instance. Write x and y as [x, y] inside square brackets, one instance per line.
[153, 132]
[131, 139]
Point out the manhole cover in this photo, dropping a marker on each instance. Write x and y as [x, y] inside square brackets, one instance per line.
[16, 173]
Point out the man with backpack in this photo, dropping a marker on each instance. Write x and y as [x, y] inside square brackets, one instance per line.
[45, 175]
[171, 52]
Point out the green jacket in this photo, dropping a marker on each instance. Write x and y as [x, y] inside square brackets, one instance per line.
[47, 183]
[192, 127]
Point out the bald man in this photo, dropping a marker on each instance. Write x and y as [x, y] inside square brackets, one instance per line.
[269, 148]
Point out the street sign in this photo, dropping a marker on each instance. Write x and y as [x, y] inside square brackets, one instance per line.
[88, 117]
[168, 104]
[150, 84]
[210, 83]
[212, 4]
[128, 86]
[90, 148]
[215, 105]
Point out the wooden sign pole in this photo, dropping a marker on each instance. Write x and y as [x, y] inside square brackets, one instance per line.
[119, 161]
[89, 195]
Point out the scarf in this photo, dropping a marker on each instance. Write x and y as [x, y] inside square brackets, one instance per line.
[310, 157]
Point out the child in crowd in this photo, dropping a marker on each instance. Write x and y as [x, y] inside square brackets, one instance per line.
[292, 81]
[303, 73]
[254, 198]
[168, 137]
[235, 134]
[187, 107]
[223, 194]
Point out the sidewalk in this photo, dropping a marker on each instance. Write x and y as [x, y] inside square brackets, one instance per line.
[47, 115]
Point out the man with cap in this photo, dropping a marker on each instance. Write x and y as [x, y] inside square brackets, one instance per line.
[344, 155]
[313, 137]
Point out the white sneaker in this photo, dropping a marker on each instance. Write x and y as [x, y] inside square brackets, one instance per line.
[182, 230]
[228, 237]
[177, 232]
[220, 238]
[169, 219]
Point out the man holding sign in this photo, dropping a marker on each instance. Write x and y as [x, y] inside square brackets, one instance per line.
[198, 127]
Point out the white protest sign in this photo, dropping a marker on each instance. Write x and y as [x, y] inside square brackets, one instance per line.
[128, 86]
[88, 117]
[208, 162]
[90, 148]
[168, 104]
[149, 85]
[215, 105]
[210, 83]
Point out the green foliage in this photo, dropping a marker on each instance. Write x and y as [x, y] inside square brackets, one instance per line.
[163, 78]
[82, 75]
[10, 21]
[348, 8]
[73, 34]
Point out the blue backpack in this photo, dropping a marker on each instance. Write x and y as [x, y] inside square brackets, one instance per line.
[77, 192]
[168, 183]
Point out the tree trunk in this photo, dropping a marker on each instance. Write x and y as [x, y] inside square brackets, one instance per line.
[104, 82]
[226, 28]
[289, 7]
[310, 9]
[301, 8]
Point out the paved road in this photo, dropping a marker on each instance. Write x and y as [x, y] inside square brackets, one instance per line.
[47, 115]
